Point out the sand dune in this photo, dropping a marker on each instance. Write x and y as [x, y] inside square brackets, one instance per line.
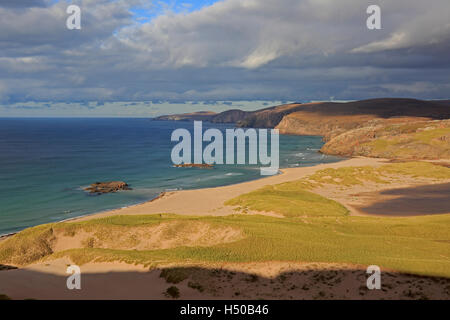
[210, 201]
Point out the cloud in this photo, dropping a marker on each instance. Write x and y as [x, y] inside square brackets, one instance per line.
[23, 3]
[294, 50]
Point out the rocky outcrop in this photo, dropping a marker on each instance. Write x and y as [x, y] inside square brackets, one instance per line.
[194, 165]
[107, 187]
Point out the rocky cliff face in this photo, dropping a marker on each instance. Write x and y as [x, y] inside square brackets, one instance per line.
[268, 118]
[319, 125]
[230, 116]
[332, 119]
[374, 128]
[385, 139]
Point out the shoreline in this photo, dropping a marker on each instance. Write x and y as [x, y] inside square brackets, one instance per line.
[50, 274]
[160, 195]
[209, 201]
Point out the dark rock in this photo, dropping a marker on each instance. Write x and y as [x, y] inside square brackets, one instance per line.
[194, 165]
[107, 187]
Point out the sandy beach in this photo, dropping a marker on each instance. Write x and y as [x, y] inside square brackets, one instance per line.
[210, 201]
[118, 280]
[371, 199]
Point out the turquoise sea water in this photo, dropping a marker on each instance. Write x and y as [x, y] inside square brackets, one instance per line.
[45, 163]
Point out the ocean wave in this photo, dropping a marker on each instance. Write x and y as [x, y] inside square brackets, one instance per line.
[234, 174]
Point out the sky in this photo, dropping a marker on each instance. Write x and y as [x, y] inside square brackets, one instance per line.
[143, 57]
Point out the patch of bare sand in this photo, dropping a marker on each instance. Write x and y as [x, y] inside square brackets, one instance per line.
[265, 280]
[401, 196]
[162, 236]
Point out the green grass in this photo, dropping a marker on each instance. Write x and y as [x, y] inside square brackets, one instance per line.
[294, 199]
[416, 169]
[429, 136]
[417, 245]
[175, 275]
[430, 143]
[27, 246]
[173, 292]
[347, 176]
[285, 199]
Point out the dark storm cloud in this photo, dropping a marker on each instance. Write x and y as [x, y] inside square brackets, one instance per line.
[23, 3]
[290, 50]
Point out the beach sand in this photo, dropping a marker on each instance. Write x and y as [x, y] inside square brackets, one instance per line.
[210, 201]
[262, 280]
[259, 280]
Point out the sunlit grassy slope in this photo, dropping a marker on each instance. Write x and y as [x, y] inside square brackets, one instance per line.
[293, 199]
[289, 201]
[417, 140]
[418, 245]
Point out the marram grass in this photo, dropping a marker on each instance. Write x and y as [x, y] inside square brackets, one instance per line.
[315, 229]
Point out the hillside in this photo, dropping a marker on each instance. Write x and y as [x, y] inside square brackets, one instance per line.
[268, 117]
[200, 116]
[331, 119]
[264, 118]
[389, 127]
[416, 140]
[230, 116]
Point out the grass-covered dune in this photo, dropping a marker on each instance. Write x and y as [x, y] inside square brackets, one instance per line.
[417, 245]
[296, 199]
[313, 229]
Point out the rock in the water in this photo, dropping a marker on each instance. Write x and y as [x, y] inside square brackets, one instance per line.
[107, 187]
[194, 165]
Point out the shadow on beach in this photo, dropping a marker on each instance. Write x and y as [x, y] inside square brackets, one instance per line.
[203, 283]
[423, 200]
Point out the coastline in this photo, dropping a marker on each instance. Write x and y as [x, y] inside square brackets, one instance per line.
[27, 281]
[162, 194]
[209, 201]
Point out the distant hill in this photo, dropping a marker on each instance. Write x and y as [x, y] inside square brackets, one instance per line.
[200, 116]
[330, 119]
[230, 116]
[388, 127]
[268, 117]
[319, 118]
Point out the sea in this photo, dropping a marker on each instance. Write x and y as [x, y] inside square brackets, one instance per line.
[46, 162]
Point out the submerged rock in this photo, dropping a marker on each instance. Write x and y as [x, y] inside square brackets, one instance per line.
[107, 187]
[194, 165]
